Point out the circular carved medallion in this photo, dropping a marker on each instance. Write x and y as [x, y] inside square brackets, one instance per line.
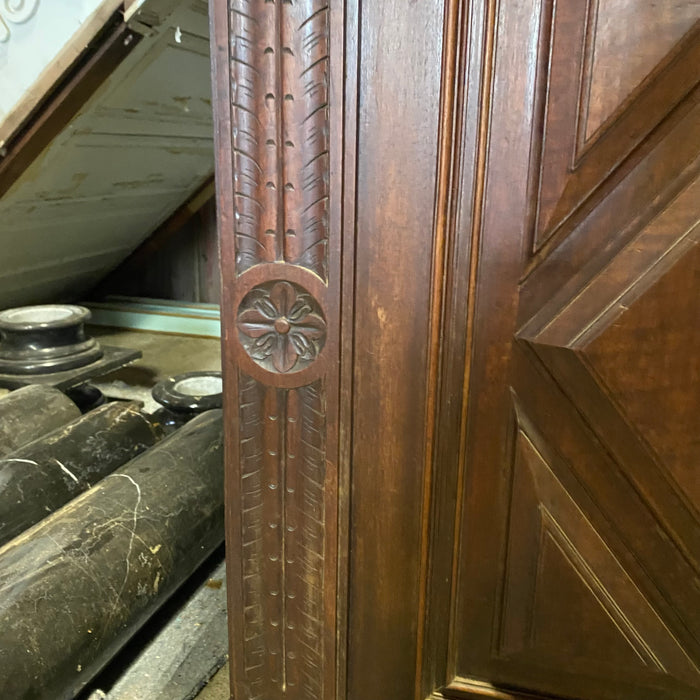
[281, 326]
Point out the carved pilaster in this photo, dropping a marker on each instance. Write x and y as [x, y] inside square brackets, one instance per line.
[279, 88]
[283, 473]
[277, 125]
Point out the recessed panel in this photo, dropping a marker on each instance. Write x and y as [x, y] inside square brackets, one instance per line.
[648, 358]
[627, 42]
[568, 601]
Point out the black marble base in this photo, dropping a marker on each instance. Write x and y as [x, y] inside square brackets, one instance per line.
[112, 358]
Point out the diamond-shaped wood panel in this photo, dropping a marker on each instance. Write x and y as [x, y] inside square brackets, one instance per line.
[658, 26]
[621, 351]
[623, 340]
[604, 87]
[636, 359]
[559, 568]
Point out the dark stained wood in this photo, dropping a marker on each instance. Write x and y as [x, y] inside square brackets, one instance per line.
[609, 83]
[641, 338]
[483, 690]
[108, 49]
[491, 223]
[578, 549]
[279, 81]
[461, 142]
[400, 58]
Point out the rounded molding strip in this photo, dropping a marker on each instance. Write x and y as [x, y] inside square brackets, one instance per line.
[281, 326]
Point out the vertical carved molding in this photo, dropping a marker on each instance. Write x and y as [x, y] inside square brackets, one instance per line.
[277, 131]
[283, 470]
[279, 85]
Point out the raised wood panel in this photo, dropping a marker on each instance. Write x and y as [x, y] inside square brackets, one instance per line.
[581, 82]
[576, 557]
[620, 348]
[573, 516]
[657, 388]
[640, 391]
[625, 43]
[624, 492]
[605, 639]
[559, 568]
[666, 164]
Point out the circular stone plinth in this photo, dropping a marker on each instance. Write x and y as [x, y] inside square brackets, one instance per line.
[44, 339]
[192, 392]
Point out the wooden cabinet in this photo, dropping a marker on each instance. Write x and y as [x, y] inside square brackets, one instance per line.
[461, 306]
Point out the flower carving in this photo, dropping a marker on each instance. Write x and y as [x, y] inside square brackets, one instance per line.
[281, 326]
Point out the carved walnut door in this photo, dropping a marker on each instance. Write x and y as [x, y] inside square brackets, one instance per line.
[580, 551]
[461, 314]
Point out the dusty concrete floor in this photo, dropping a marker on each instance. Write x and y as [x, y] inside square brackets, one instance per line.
[164, 355]
[217, 688]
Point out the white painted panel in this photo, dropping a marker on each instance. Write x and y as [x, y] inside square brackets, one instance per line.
[38, 41]
[176, 100]
[142, 163]
[135, 152]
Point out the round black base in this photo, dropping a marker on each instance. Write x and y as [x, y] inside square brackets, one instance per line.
[184, 396]
[192, 392]
[45, 339]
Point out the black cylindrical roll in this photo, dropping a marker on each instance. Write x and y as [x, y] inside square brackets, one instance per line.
[30, 412]
[86, 397]
[74, 588]
[43, 475]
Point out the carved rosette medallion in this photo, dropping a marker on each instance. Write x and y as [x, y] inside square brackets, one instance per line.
[281, 327]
